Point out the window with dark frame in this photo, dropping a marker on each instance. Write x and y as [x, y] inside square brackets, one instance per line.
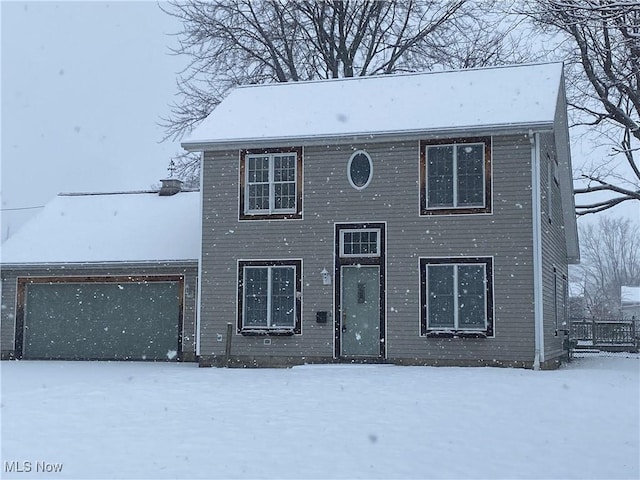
[455, 176]
[271, 184]
[456, 296]
[269, 295]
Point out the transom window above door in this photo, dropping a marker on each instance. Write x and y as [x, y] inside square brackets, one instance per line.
[271, 184]
[455, 176]
[363, 242]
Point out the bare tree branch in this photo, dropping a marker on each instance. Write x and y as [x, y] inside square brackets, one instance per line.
[603, 59]
[610, 251]
[236, 42]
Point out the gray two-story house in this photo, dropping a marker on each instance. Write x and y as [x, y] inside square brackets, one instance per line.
[413, 219]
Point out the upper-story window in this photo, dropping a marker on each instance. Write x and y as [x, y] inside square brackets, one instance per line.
[455, 176]
[360, 170]
[271, 184]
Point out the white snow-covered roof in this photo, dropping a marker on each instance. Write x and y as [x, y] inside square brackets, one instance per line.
[521, 95]
[123, 227]
[630, 295]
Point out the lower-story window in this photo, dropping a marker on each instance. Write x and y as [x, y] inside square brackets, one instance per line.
[269, 295]
[456, 296]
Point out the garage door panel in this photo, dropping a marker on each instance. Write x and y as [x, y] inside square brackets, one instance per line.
[102, 320]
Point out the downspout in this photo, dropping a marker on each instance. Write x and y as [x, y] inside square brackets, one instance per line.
[198, 306]
[536, 212]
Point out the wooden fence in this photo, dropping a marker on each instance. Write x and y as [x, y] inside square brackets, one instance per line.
[604, 334]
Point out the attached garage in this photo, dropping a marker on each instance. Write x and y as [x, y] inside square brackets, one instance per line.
[100, 318]
[104, 276]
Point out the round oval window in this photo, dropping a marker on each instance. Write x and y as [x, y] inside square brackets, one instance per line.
[360, 169]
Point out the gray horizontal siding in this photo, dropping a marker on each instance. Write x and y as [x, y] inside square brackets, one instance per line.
[391, 197]
[554, 247]
[9, 286]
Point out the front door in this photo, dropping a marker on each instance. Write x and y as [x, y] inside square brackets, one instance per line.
[360, 311]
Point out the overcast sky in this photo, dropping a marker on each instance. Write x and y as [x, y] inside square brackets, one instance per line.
[84, 85]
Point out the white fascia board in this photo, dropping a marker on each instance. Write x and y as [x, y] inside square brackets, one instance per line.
[361, 137]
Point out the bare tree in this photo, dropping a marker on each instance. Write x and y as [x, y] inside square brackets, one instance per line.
[235, 42]
[610, 251]
[601, 45]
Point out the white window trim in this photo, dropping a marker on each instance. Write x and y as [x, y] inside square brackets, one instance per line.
[455, 176]
[359, 230]
[456, 323]
[271, 183]
[269, 300]
[360, 152]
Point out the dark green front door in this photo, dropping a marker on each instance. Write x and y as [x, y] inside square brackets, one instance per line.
[103, 320]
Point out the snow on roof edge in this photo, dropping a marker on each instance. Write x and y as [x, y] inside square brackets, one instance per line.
[123, 192]
[403, 74]
[105, 263]
[630, 294]
[197, 145]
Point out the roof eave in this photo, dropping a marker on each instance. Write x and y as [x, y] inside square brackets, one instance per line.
[95, 264]
[311, 140]
[563, 149]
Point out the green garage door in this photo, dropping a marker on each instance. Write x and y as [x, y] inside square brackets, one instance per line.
[103, 319]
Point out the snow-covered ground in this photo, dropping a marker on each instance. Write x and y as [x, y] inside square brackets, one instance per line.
[145, 420]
